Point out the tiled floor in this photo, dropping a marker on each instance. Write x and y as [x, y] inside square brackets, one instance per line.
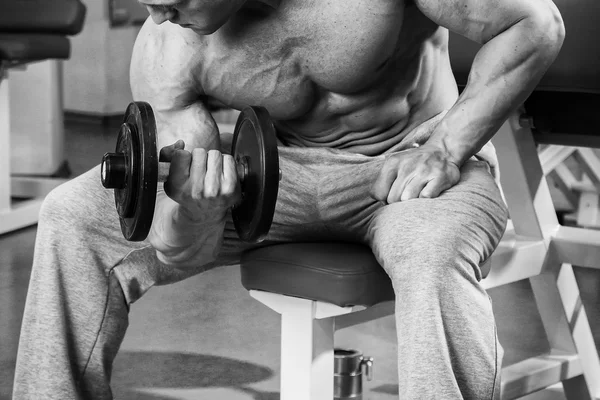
[205, 338]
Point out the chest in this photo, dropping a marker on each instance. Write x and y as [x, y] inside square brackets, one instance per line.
[285, 58]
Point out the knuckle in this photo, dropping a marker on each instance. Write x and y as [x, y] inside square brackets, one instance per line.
[214, 153]
[228, 159]
[210, 191]
[228, 187]
[197, 190]
[173, 191]
[199, 152]
[196, 197]
[180, 154]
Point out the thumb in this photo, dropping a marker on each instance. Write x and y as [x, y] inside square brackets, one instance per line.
[166, 153]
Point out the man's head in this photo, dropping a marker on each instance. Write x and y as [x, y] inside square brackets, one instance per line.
[202, 16]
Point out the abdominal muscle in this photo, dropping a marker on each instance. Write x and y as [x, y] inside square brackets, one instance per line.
[318, 99]
[379, 121]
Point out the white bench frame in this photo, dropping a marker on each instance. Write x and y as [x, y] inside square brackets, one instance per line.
[534, 247]
[584, 193]
[17, 214]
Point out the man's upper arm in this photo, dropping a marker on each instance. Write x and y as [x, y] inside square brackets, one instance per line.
[481, 20]
[162, 73]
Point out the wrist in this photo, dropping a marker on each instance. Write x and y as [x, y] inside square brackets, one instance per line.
[189, 240]
[185, 215]
[175, 226]
[451, 150]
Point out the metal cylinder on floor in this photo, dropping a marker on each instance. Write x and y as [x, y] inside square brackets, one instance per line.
[348, 373]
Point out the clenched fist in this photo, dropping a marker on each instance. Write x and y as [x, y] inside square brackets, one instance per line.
[204, 183]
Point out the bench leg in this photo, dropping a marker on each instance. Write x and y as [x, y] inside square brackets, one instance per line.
[307, 331]
[306, 355]
[565, 321]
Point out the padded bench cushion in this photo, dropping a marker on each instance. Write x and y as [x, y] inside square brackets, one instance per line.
[20, 47]
[57, 17]
[340, 273]
[565, 118]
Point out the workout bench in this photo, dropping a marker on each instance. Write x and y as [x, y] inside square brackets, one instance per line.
[319, 288]
[29, 31]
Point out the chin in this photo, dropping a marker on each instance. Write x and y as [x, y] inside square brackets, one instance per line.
[205, 31]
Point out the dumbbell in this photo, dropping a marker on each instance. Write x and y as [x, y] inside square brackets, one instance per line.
[133, 171]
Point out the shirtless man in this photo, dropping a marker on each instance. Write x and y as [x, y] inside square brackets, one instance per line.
[352, 86]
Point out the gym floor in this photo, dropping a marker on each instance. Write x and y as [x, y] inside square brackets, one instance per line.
[206, 338]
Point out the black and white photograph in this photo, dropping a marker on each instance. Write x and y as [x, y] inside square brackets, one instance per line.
[299, 199]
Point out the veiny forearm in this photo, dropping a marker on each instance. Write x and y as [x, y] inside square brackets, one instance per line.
[504, 73]
[183, 240]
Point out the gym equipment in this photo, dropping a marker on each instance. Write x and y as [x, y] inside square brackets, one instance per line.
[134, 171]
[30, 32]
[348, 373]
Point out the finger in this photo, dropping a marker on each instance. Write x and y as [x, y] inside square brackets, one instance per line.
[198, 172]
[396, 190]
[179, 172]
[230, 181]
[386, 178]
[413, 188]
[166, 153]
[435, 187]
[214, 172]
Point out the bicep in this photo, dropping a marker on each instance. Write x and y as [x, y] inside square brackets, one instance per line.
[162, 74]
[482, 20]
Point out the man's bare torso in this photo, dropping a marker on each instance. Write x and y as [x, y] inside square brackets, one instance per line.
[332, 74]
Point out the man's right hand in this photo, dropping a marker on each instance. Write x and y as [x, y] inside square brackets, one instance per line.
[204, 183]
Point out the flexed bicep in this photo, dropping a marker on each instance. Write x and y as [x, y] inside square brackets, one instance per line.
[482, 20]
[163, 73]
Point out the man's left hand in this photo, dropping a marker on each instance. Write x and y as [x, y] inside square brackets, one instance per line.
[424, 172]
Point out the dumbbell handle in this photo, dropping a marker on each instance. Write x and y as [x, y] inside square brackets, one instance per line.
[241, 165]
[115, 170]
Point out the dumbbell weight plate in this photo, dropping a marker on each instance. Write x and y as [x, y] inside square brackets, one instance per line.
[255, 142]
[135, 202]
[135, 176]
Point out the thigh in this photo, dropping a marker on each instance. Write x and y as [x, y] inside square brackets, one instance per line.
[465, 222]
[296, 217]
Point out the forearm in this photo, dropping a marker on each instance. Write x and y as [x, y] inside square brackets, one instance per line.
[504, 73]
[181, 239]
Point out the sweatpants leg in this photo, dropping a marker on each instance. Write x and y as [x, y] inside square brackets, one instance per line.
[432, 249]
[85, 275]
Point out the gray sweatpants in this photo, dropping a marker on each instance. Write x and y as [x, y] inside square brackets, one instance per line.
[85, 274]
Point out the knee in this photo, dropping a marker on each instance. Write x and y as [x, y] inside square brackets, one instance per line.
[427, 250]
[432, 260]
[436, 262]
[69, 206]
[55, 206]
